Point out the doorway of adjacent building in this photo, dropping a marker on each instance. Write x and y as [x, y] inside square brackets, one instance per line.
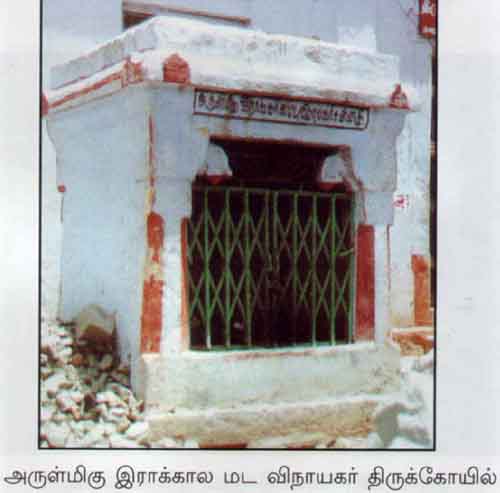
[270, 257]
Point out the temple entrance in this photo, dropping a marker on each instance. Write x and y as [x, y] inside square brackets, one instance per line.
[270, 262]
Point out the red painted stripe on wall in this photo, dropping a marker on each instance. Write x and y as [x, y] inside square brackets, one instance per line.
[421, 290]
[152, 291]
[151, 319]
[365, 283]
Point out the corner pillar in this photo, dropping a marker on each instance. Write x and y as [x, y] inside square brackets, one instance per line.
[173, 204]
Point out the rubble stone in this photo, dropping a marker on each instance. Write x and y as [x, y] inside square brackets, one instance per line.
[135, 414]
[72, 373]
[116, 414]
[53, 383]
[77, 396]
[119, 411]
[124, 392]
[137, 430]
[102, 409]
[78, 359]
[89, 401]
[124, 370]
[46, 413]
[92, 361]
[99, 383]
[57, 434]
[122, 425]
[65, 401]
[59, 417]
[88, 425]
[46, 372]
[108, 429]
[109, 398]
[106, 362]
[94, 437]
[65, 354]
[66, 340]
[74, 441]
[95, 325]
[49, 347]
[120, 378]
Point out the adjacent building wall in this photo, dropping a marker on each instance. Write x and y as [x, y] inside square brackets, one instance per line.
[397, 33]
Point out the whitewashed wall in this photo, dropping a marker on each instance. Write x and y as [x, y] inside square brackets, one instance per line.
[397, 34]
[103, 209]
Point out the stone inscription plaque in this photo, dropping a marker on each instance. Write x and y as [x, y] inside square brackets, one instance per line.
[280, 110]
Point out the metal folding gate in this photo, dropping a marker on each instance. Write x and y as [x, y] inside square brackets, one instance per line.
[269, 268]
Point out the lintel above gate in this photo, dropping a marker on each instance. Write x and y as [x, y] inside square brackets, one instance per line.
[211, 58]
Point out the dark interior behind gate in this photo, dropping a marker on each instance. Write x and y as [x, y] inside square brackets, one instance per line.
[270, 258]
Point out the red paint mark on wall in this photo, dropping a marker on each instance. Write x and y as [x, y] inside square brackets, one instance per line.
[155, 235]
[428, 18]
[61, 188]
[413, 342]
[151, 319]
[217, 179]
[86, 90]
[176, 69]
[152, 292]
[401, 201]
[132, 72]
[331, 186]
[399, 99]
[365, 283]
[421, 290]
[44, 104]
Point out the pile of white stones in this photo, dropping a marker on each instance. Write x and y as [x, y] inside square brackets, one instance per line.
[86, 399]
[87, 402]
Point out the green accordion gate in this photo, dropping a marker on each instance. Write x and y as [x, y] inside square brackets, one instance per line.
[269, 268]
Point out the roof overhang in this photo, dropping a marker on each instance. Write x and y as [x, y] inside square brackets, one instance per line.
[202, 55]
